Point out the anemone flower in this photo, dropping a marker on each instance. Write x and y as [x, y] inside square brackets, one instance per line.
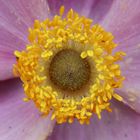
[72, 66]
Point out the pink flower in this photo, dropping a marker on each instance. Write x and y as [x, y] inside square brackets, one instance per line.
[20, 120]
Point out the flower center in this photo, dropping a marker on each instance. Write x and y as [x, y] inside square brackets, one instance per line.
[69, 71]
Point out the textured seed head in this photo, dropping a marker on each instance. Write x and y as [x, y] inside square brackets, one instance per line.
[68, 71]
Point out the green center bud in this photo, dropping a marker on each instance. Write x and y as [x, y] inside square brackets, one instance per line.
[68, 71]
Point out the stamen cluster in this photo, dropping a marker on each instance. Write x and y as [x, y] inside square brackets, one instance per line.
[93, 43]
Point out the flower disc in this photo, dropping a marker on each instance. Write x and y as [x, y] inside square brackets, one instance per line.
[69, 71]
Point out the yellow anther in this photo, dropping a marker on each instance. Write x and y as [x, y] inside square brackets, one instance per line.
[98, 51]
[90, 53]
[101, 76]
[83, 54]
[118, 97]
[36, 24]
[61, 11]
[17, 53]
[46, 54]
[25, 99]
[114, 66]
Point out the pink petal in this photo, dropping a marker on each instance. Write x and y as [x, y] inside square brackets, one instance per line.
[20, 120]
[15, 18]
[94, 9]
[74, 4]
[124, 21]
[99, 9]
[122, 124]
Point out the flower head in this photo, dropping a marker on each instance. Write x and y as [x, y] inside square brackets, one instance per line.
[69, 67]
[65, 75]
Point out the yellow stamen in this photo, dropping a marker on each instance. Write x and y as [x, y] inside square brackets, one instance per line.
[93, 43]
[62, 9]
[118, 97]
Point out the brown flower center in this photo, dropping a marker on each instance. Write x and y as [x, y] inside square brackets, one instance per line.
[68, 71]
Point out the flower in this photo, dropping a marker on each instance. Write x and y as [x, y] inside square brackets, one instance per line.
[68, 67]
[16, 17]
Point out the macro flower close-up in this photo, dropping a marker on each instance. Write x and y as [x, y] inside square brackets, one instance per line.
[69, 69]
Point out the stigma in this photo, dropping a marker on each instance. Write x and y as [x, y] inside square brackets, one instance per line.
[69, 68]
